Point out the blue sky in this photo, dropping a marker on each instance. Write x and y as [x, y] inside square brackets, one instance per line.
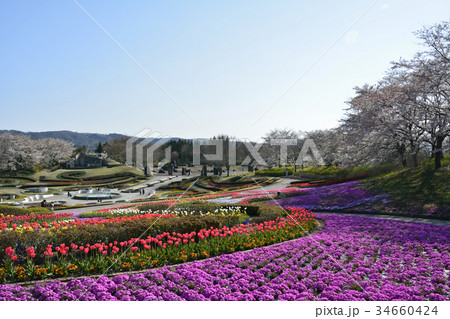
[225, 62]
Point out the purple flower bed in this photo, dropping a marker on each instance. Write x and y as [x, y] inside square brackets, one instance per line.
[381, 260]
[335, 197]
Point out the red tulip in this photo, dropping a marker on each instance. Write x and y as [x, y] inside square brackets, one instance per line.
[9, 251]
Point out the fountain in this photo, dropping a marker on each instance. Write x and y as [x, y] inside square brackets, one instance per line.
[95, 194]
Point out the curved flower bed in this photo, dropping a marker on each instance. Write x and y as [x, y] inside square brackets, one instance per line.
[30, 220]
[149, 252]
[179, 212]
[336, 197]
[381, 260]
[78, 222]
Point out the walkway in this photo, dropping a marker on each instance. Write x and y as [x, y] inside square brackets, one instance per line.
[123, 200]
[438, 222]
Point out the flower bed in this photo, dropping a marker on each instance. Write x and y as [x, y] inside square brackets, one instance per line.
[35, 221]
[382, 259]
[336, 197]
[56, 223]
[166, 248]
[179, 212]
[203, 209]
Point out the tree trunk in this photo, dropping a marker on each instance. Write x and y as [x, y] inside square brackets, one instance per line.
[404, 162]
[401, 149]
[438, 152]
[415, 152]
[415, 160]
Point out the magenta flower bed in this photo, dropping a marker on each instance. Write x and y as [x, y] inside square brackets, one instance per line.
[336, 197]
[381, 260]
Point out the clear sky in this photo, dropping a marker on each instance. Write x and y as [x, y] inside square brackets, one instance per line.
[225, 62]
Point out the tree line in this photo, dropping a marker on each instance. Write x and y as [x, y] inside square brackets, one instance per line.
[406, 114]
[20, 152]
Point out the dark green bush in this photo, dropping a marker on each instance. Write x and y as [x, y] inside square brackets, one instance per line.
[275, 172]
[11, 210]
[40, 210]
[199, 207]
[16, 211]
[266, 213]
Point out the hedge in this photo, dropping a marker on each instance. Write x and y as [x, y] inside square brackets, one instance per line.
[16, 211]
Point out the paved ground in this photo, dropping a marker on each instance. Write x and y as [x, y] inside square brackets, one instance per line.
[399, 218]
[124, 197]
[283, 183]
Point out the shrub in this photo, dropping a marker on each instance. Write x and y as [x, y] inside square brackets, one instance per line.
[266, 213]
[39, 210]
[251, 210]
[275, 172]
[15, 211]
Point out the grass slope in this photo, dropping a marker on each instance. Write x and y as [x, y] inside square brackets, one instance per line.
[420, 187]
[416, 191]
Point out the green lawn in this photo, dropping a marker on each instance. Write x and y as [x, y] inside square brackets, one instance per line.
[8, 190]
[417, 186]
[96, 172]
[116, 176]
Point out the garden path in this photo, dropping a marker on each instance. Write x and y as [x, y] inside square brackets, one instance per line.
[439, 222]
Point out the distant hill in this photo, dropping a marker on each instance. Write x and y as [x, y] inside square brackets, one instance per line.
[90, 140]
